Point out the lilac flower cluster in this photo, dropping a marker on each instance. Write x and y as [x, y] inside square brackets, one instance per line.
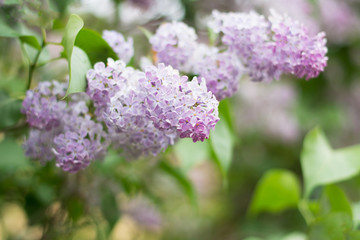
[146, 111]
[222, 70]
[66, 133]
[124, 49]
[263, 48]
[270, 48]
[117, 98]
[174, 44]
[173, 102]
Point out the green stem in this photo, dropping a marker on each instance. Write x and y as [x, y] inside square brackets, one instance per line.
[54, 43]
[33, 65]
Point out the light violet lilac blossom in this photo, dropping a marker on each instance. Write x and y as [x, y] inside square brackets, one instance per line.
[173, 102]
[60, 130]
[174, 44]
[124, 49]
[271, 47]
[221, 70]
[150, 109]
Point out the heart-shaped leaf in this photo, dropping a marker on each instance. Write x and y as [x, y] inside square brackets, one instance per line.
[321, 165]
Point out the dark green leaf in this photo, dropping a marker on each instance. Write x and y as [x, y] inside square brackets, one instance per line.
[109, 207]
[182, 180]
[321, 165]
[97, 49]
[336, 200]
[31, 40]
[276, 191]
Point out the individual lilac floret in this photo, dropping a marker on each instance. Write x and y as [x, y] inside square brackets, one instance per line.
[173, 102]
[270, 48]
[123, 49]
[174, 44]
[41, 105]
[222, 71]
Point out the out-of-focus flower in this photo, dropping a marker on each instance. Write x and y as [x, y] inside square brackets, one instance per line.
[174, 44]
[131, 14]
[41, 105]
[66, 133]
[222, 72]
[124, 49]
[143, 4]
[300, 10]
[316, 15]
[270, 48]
[267, 108]
[144, 213]
[339, 19]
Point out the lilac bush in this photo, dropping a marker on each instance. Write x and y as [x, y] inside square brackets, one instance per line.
[142, 112]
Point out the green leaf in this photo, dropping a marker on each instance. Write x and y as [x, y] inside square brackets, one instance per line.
[7, 31]
[73, 27]
[336, 200]
[222, 144]
[97, 49]
[10, 110]
[12, 156]
[182, 180]
[109, 207]
[78, 61]
[276, 191]
[191, 154]
[31, 40]
[333, 226]
[78, 67]
[321, 165]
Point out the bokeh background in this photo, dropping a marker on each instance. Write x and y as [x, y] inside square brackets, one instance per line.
[118, 199]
